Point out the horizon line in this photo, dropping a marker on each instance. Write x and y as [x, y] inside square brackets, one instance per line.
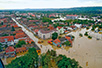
[49, 8]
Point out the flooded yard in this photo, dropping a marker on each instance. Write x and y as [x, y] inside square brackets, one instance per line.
[88, 52]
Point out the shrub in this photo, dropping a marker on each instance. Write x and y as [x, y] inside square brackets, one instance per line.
[86, 34]
[80, 35]
[73, 36]
[59, 37]
[87, 28]
[89, 37]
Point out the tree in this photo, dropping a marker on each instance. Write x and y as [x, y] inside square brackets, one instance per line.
[86, 33]
[29, 60]
[13, 29]
[20, 43]
[80, 35]
[67, 43]
[89, 37]
[6, 46]
[54, 35]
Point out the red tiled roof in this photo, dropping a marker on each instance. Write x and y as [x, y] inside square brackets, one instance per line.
[59, 27]
[19, 35]
[51, 27]
[9, 38]
[9, 49]
[21, 49]
[52, 15]
[72, 26]
[36, 30]
[33, 15]
[48, 31]
[18, 31]
[56, 41]
[68, 38]
[3, 26]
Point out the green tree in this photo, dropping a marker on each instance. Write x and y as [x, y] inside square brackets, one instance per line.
[29, 60]
[20, 43]
[13, 29]
[54, 35]
[86, 33]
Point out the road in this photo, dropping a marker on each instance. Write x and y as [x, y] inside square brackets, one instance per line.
[44, 49]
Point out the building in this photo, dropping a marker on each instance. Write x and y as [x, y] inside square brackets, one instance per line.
[71, 16]
[10, 52]
[63, 39]
[78, 25]
[57, 42]
[7, 40]
[46, 34]
[22, 49]
[60, 30]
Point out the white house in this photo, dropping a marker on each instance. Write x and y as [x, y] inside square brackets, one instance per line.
[46, 34]
[78, 25]
[60, 30]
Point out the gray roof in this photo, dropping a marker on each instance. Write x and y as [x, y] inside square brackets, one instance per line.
[62, 39]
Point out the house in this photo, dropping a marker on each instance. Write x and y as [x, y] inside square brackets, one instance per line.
[63, 39]
[69, 37]
[7, 40]
[73, 27]
[78, 25]
[69, 28]
[71, 16]
[36, 31]
[52, 15]
[22, 49]
[60, 29]
[20, 35]
[46, 33]
[57, 42]
[10, 52]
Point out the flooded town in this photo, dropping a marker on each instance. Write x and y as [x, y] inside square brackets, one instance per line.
[50, 39]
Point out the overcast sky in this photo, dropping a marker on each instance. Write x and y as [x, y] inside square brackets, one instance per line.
[21, 4]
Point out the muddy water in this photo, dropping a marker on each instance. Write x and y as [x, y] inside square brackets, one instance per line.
[85, 50]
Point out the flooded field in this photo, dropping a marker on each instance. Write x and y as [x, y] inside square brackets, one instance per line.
[88, 52]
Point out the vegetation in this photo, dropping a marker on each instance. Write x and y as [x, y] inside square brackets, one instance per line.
[45, 19]
[87, 28]
[47, 60]
[54, 35]
[67, 43]
[89, 37]
[29, 60]
[73, 36]
[20, 43]
[86, 34]
[13, 29]
[80, 35]
[59, 37]
[5, 35]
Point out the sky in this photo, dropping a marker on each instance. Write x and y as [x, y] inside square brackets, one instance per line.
[36, 4]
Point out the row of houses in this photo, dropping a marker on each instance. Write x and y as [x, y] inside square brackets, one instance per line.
[10, 51]
[59, 42]
[47, 33]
